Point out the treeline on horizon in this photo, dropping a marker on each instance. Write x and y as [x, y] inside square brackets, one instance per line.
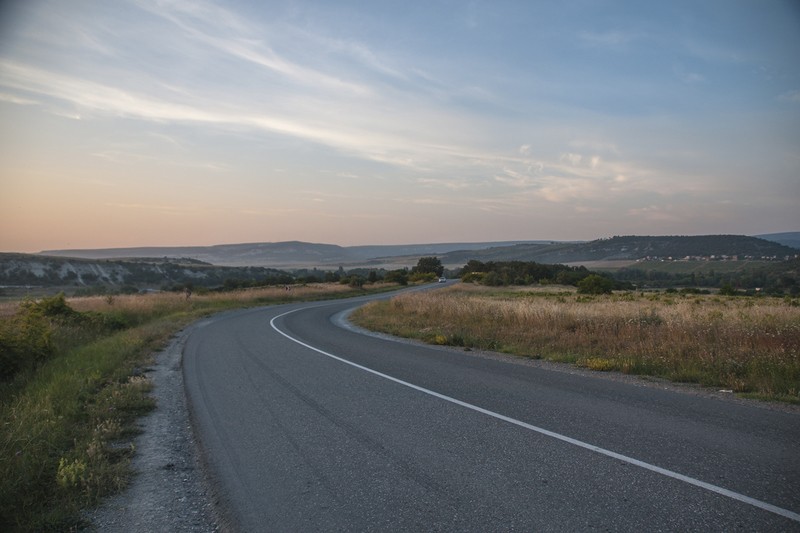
[738, 246]
[778, 278]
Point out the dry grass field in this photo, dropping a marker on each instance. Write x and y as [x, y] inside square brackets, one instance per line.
[177, 301]
[748, 345]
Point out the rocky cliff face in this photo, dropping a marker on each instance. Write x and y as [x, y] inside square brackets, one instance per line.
[38, 271]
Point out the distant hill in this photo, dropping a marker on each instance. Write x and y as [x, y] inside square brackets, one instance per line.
[21, 270]
[295, 254]
[791, 238]
[248, 254]
[225, 265]
[291, 254]
[632, 248]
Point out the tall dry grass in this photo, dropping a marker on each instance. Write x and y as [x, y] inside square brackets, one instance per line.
[749, 345]
[178, 301]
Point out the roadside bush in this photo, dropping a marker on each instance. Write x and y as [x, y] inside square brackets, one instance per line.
[594, 284]
[728, 290]
[355, 282]
[41, 329]
[417, 277]
[492, 279]
[473, 277]
[25, 341]
[399, 276]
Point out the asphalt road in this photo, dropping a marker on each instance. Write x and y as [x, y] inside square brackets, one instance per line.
[307, 425]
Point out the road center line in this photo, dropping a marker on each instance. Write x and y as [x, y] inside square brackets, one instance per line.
[630, 460]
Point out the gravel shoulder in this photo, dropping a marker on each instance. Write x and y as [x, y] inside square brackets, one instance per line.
[169, 491]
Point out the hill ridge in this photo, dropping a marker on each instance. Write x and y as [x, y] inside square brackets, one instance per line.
[298, 254]
[275, 261]
[277, 254]
[633, 247]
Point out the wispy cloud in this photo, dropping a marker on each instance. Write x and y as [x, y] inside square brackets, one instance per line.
[656, 213]
[382, 130]
[470, 15]
[443, 183]
[790, 96]
[100, 98]
[340, 110]
[348, 175]
[228, 33]
[608, 39]
[687, 76]
[94, 96]
[18, 100]
[432, 201]
[561, 189]
[166, 209]
[572, 158]
[277, 212]
[514, 179]
[713, 52]
[358, 51]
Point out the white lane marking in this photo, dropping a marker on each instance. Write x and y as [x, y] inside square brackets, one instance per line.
[630, 460]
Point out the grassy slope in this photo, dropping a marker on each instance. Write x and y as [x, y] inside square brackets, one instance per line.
[687, 267]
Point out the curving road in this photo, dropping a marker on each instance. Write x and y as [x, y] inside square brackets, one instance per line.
[309, 425]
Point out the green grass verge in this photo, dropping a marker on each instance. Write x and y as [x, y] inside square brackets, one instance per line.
[60, 429]
[69, 410]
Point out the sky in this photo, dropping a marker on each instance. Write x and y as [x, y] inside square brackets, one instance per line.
[177, 122]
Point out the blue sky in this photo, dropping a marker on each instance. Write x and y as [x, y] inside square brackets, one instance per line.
[170, 122]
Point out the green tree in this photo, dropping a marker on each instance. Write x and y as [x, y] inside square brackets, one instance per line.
[397, 276]
[356, 282]
[492, 279]
[595, 284]
[428, 265]
[727, 290]
[472, 266]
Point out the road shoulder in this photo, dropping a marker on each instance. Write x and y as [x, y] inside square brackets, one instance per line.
[169, 491]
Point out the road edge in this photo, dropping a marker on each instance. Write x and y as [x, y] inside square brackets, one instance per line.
[170, 489]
